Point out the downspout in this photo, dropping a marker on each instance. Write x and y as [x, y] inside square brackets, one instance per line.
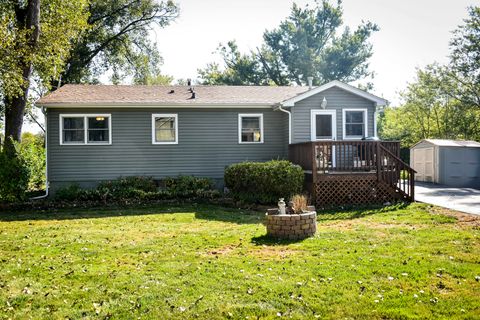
[375, 114]
[47, 184]
[280, 108]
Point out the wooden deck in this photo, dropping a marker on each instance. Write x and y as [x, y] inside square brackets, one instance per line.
[354, 172]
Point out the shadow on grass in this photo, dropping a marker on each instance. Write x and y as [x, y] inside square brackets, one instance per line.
[266, 240]
[356, 212]
[237, 216]
[201, 211]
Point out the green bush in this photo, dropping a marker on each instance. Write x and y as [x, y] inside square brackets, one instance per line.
[141, 188]
[187, 186]
[14, 177]
[32, 149]
[264, 182]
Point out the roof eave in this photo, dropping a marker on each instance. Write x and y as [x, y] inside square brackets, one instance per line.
[146, 104]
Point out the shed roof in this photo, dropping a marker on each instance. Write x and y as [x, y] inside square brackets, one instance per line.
[451, 143]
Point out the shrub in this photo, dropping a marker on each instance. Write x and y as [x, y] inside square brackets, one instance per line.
[187, 186]
[32, 149]
[141, 188]
[264, 182]
[14, 177]
[70, 193]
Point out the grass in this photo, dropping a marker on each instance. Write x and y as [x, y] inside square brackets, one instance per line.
[210, 262]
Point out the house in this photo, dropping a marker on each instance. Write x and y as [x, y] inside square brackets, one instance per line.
[453, 163]
[101, 132]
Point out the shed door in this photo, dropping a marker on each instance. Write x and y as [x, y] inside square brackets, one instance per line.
[423, 163]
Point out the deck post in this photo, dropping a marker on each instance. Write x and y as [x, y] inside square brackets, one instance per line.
[379, 163]
[314, 172]
[412, 185]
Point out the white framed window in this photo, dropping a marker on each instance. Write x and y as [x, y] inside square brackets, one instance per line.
[323, 124]
[165, 128]
[81, 129]
[355, 123]
[250, 128]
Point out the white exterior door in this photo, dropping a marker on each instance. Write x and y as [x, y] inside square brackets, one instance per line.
[323, 125]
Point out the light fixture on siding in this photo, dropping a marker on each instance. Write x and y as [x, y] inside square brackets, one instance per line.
[324, 103]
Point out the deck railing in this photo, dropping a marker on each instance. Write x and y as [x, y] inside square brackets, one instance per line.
[339, 156]
[332, 157]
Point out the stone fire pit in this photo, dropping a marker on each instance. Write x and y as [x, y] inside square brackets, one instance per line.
[291, 226]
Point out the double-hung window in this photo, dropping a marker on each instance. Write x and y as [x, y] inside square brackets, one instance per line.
[80, 129]
[250, 128]
[165, 129]
[355, 123]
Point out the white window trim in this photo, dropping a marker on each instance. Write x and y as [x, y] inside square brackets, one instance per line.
[313, 124]
[242, 115]
[365, 122]
[85, 116]
[164, 115]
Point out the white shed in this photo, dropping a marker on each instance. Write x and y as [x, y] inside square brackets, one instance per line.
[449, 162]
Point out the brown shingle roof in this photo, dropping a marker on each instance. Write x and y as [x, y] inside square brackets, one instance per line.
[153, 95]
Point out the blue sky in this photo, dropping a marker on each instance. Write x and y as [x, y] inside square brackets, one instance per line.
[413, 33]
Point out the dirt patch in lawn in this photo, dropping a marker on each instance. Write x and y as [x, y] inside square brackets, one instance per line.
[463, 219]
[272, 252]
[221, 251]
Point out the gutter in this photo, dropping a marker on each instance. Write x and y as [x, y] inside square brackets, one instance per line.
[280, 108]
[47, 183]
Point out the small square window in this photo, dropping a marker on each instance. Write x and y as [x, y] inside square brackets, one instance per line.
[164, 129]
[250, 128]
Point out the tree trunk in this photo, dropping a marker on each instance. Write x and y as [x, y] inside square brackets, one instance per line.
[28, 19]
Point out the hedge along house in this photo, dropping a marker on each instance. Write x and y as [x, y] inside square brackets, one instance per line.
[102, 132]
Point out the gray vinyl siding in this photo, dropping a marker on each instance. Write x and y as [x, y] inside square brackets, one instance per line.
[337, 99]
[459, 166]
[208, 142]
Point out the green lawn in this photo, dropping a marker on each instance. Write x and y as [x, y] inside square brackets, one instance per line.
[210, 262]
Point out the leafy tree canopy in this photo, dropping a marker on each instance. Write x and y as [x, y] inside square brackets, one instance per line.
[45, 48]
[36, 36]
[307, 43]
[117, 40]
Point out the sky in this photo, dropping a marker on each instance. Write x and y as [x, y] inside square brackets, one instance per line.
[413, 33]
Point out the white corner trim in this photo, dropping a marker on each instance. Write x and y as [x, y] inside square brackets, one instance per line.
[240, 116]
[313, 123]
[365, 123]
[379, 101]
[85, 117]
[165, 115]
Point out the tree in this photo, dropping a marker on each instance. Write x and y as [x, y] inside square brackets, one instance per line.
[36, 38]
[464, 67]
[117, 40]
[307, 43]
[444, 101]
[429, 110]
